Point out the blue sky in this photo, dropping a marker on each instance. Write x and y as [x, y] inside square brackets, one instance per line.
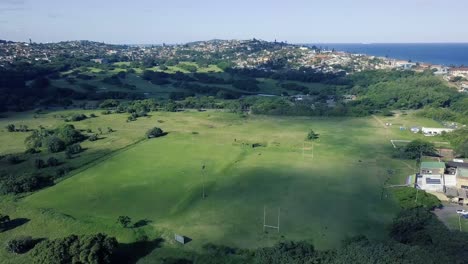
[177, 21]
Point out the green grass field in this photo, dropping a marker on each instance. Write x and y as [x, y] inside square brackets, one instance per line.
[327, 190]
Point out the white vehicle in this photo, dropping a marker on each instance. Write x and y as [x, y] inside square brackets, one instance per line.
[462, 212]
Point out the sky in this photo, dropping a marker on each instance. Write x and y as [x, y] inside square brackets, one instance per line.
[180, 21]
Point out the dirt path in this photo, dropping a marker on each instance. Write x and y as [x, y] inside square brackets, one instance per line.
[379, 121]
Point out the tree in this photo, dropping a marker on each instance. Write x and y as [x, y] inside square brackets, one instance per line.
[124, 221]
[20, 245]
[89, 249]
[52, 162]
[312, 135]
[417, 148]
[11, 128]
[74, 149]
[4, 220]
[68, 134]
[154, 132]
[55, 144]
[462, 150]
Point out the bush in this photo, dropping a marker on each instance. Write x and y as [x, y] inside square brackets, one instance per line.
[154, 132]
[52, 162]
[39, 163]
[74, 149]
[312, 135]
[20, 245]
[11, 128]
[124, 221]
[55, 144]
[78, 117]
[31, 151]
[406, 197]
[93, 137]
[92, 115]
[89, 249]
[13, 159]
[109, 103]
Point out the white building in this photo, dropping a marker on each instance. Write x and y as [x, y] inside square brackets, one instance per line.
[431, 131]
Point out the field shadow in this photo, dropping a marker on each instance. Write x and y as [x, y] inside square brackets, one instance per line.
[142, 223]
[132, 252]
[14, 224]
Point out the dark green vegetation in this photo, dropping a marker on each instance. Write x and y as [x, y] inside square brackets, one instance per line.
[416, 149]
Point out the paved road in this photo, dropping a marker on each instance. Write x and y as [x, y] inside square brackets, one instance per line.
[448, 211]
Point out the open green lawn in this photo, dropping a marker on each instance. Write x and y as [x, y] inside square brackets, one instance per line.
[327, 190]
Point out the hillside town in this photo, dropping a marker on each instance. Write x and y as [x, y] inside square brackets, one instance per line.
[252, 54]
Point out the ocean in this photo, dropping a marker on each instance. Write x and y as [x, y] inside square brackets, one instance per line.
[447, 54]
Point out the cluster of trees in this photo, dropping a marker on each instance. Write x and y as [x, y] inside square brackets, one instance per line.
[23, 183]
[416, 149]
[54, 140]
[459, 139]
[14, 128]
[90, 249]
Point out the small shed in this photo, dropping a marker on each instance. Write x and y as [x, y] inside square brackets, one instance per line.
[180, 239]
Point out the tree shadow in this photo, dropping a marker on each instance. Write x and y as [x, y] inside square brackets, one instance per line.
[131, 253]
[14, 224]
[142, 223]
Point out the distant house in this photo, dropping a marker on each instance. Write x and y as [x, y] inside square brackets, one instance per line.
[440, 70]
[349, 97]
[459, 71]
[99, 61]
[415, 129]
[431, 131]
[404, 65]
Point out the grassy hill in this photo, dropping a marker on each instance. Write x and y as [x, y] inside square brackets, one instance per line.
[328, 190]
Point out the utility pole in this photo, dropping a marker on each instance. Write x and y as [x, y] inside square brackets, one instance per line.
[203, 179]
[459, 221]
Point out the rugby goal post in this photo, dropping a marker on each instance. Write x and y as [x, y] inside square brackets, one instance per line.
[265, 225]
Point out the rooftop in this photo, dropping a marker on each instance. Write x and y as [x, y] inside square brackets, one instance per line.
[433, 165]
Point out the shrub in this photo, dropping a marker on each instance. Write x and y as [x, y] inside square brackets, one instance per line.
[312, 135]
[106, 112]
[154, 132]
[11, 128]
[52, 162]
[39, 163]
[74, 149]
[13, 159]
[20, 245]
[92, 115]
[93, 137]
[78, 117]
[31, 151]
[124, 221]
[55, 144]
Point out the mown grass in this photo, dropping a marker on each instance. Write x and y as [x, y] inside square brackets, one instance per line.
[328, 190]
